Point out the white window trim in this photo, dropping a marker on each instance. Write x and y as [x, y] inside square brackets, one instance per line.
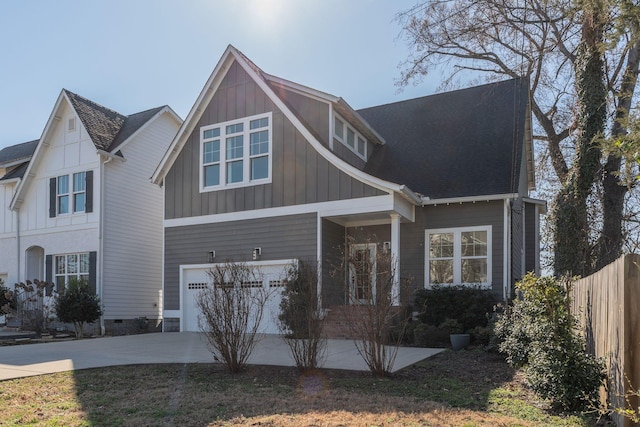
[246, 154]
[73, 193]
[373, 255]
[68, 194]
[457, 255]
[343, 139]
[66, 274]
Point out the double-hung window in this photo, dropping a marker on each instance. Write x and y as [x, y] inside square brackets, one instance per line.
[71, 193]
[458, 256]
[70, 266]
[236, 153]
[62, 194]
[79, 191]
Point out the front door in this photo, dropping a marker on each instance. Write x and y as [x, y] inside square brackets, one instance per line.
[362, 273]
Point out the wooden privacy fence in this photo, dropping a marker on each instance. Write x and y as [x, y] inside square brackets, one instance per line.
[607, 306]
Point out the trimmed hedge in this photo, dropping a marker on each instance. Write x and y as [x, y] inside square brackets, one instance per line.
[471, 306]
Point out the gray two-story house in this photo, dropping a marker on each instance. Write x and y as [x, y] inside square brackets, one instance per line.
[267, 171]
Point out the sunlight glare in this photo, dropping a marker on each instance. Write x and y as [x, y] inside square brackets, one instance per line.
[266, 13]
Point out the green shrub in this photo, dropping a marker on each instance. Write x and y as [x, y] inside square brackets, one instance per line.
[451, 326]
[74, 304]
[430, 336]
[481, 335]
[539, 333]
[469, 305]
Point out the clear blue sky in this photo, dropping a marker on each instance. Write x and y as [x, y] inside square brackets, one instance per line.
[131, 55]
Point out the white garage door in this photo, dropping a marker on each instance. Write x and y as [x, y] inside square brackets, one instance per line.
[196, 278]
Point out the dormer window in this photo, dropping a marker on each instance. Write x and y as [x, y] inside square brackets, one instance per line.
[236, 153]
[349, 137]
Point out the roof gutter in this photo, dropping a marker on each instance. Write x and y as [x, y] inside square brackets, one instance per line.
[9, 181]
[468, 199]
[410, 195]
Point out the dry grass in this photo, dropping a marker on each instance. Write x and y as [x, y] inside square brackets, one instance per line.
[466, 388]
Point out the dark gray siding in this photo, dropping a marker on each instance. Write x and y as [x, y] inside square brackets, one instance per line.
[285, 237]
[299, 174]
[530, 237]
[313, 113]
[447, 216]
[333, 240]
[347, 155]
[517, 241]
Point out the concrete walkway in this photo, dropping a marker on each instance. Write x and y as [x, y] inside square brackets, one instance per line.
[175, 347]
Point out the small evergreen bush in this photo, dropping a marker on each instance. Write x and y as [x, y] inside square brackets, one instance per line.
[539, 333]
[74, 304]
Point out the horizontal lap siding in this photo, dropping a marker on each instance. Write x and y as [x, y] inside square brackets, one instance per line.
[449, 216]
[299, 174]
[132, 256]
[285, 237]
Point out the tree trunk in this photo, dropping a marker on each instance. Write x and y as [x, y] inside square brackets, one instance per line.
[573, 254]
[614, 192]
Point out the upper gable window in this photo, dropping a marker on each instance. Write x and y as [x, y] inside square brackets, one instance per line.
[71, 194]
[236, 153]
[349, 137]
[71, 124]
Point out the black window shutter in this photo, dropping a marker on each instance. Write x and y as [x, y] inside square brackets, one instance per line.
[48, 270]
[53, 184]
[88, 202]
[93, 259]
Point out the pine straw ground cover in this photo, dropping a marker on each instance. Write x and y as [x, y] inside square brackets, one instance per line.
[465, 388]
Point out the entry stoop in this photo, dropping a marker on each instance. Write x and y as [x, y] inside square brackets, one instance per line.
[337, 324]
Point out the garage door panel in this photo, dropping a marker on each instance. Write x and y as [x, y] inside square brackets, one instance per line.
[269, 278]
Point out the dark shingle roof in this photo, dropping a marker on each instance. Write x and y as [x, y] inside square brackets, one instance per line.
[132, 123]
[18, 152]
[107, 128]
[463, 143]
[101, 123]
[16, 173]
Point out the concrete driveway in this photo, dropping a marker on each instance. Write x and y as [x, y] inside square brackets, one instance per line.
[174, 347]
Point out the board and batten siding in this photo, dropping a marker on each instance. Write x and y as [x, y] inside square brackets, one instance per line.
[412, 236]
[312, 112]
[299, 174]
[283, 237]
[517, 239]
[132, 256]
[530, 253]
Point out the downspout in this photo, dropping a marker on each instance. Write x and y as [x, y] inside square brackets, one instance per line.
[506, 294]
[100, 274]
[17, 246]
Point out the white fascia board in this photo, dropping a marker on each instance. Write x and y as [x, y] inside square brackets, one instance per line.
[9, 181]
[362, 120]
[18, 198]
[323, 209]
[469, 199]
[165, 109]
[15, 162]
[210, 87]
[304, 90]
[539, 202]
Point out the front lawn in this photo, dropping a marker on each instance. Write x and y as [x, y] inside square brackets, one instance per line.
[466, 388]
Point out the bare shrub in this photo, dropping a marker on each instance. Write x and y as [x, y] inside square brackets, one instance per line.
[231, 311]
[34, 305]
[300, 320]
[372, 304]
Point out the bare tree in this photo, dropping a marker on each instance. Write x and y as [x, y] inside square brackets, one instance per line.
[300, 320]
[539, 39]
[370, 283]
[231, 311]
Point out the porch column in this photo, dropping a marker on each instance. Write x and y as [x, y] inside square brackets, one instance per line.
[395, 258]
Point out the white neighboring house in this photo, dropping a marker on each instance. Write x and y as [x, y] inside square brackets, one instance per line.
[78, 203]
